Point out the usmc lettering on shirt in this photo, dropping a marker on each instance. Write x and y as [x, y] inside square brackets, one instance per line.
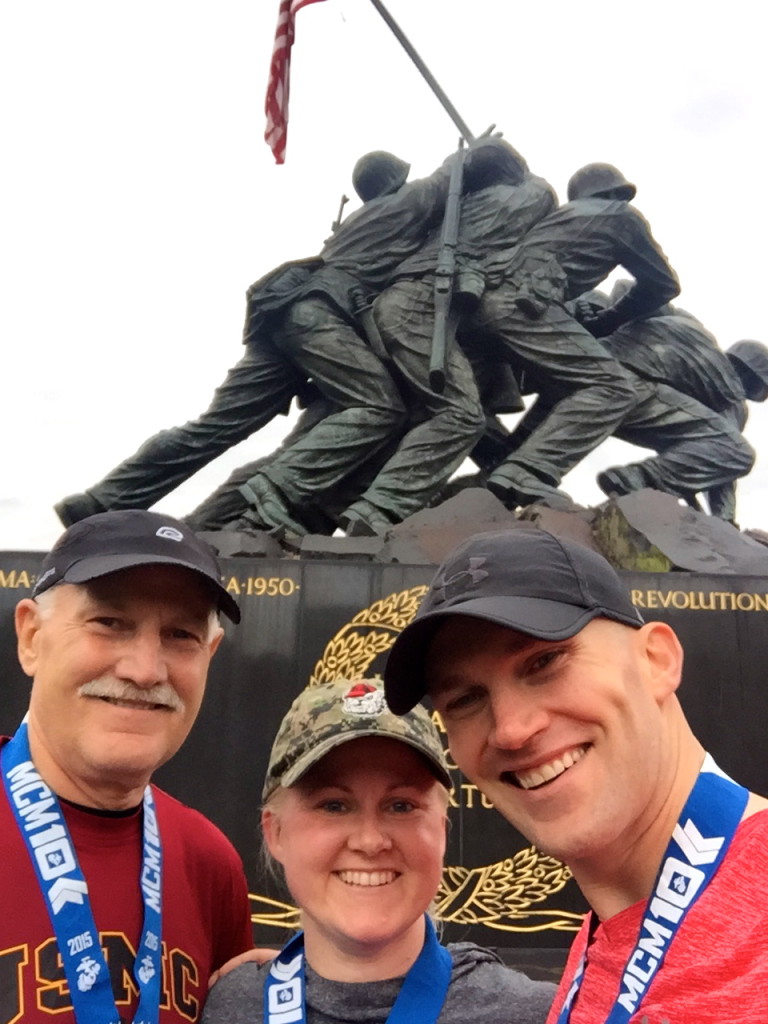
[33, 982]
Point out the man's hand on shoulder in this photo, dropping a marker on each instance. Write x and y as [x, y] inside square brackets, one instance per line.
[257, 955]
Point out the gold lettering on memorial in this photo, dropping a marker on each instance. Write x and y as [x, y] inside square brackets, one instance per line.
[14, 578]
[700, 600]
[263, 586]
[449, 760]
[472, 797]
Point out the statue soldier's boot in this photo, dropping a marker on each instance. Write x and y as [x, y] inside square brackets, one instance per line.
[267, 509]
[76, 507]
[722, 502]
[620, 480]
[515, 486]
[362, 519]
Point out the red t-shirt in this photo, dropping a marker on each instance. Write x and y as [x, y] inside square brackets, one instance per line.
[206, 918]
[716, 970]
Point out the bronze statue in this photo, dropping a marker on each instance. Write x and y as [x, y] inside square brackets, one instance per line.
[670, 346]
[700, 446]
[305, 321]
[446, 424]
[299, 325]
[586, 392]
[441, 428]
[350, 335]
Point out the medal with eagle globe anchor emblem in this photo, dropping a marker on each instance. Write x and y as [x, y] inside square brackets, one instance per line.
[513, 894]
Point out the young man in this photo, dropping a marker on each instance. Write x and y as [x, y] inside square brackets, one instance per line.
[118, 901]
[560, 704]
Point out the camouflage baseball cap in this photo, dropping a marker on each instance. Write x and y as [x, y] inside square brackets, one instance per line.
[323, 717]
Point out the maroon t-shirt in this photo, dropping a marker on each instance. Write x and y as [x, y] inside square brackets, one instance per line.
[206, 918]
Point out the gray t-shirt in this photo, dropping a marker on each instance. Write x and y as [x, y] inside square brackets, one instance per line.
[482, 990]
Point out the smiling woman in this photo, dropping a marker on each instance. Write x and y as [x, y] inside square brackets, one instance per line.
[355, 814]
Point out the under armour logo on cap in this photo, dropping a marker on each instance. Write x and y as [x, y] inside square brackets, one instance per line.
[447, 587]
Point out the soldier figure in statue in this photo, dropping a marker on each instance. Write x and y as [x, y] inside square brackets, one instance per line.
[446, 424]
[523, 309]
[304, 321]
[689, 408]
[260, 386]
[670, 346]
[441, 428]
[696, 452]
[696, 430]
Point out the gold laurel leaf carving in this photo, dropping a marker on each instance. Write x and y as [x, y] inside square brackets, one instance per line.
[496, 895]
[273, 913]
[351, 651]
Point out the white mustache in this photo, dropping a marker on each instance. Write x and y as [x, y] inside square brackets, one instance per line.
[162, 694]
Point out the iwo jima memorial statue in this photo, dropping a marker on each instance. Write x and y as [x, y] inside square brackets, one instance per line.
[432, 311]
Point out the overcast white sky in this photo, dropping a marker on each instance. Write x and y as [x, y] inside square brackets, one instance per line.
[139, 199]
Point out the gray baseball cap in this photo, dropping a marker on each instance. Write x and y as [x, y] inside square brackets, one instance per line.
[110, 541]
[527, 579]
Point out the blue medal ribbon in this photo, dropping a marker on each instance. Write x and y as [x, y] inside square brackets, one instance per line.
[44, 830]
[420, 999]
[700, 840]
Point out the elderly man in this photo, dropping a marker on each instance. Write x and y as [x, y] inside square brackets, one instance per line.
[118, 901]
[560, 704]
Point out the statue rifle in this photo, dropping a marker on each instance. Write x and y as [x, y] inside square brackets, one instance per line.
[444, 272]
[342, 203]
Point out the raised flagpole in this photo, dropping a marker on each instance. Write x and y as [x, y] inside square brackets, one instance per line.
[426, 73]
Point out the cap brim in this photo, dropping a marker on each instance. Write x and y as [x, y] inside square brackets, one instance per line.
[312, 757]
[404, 677]
[102, 565]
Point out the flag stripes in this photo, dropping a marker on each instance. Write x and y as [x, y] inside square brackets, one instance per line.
[278, 86]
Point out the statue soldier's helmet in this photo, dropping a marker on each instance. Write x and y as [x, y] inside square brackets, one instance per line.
[498, 164]
[603, 180]
[750, 360]
[379, 174]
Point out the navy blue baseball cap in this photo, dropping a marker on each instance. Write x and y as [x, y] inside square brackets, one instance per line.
[110, 541]
[526, 579]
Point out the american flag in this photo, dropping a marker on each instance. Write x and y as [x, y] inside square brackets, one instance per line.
[276, 105]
